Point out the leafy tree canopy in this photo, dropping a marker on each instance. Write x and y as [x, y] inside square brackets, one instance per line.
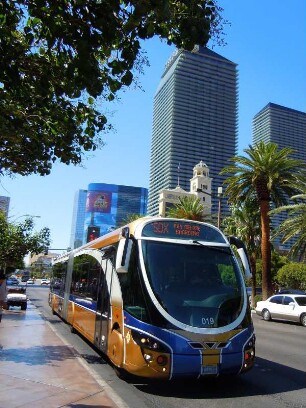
[17, 240]
[294, 226]
[292, 275]
[188, 207]
[129, 218]
[273, 175]
[244, 222]
[277, 262]
[61, 60]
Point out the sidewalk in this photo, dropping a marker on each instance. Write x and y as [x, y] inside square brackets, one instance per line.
[38, 369]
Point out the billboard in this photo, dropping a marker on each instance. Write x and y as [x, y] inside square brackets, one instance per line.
[99, 201]
[107, 205]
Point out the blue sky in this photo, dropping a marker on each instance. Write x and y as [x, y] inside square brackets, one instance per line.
[266, 39]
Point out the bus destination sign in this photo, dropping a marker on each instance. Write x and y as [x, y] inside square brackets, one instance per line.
[182, 230]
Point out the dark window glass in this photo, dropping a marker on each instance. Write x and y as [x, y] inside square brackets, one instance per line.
[301, 300]
[57, 283]
[197, 285]
[85, 276]
[288, 300]
[132, 294]
[277, 299]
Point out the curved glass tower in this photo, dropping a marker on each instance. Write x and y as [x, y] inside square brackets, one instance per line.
[195, 117]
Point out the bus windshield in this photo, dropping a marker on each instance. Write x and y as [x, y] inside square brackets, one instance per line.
[197, 285]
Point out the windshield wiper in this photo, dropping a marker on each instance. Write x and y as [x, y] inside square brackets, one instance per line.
[223, 250]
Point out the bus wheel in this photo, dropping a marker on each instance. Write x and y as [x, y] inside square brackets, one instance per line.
[266, 315]
[303, 319]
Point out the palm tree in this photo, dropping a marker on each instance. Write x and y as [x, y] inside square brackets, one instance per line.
[294, 226]
[129, 218]
[245, 224]
[273, 176]
[189, 207]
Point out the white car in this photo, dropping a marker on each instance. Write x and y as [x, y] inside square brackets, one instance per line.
[283, 307]
[45, 282]
[16, 296]
[30, 282]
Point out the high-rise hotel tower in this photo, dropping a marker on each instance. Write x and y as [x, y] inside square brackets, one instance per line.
[284, 126]
[195, 118]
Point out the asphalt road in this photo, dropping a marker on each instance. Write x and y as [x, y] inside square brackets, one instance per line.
[277, 380]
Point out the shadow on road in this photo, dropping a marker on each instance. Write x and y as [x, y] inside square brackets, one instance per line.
[266, 378]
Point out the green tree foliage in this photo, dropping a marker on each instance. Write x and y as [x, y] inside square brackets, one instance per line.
[17, 240]
[189, 208]
[61, 60]
[294, 226]
[245, 224]
[130, 218]
[292, 275]
[273, 176]
[277, 262]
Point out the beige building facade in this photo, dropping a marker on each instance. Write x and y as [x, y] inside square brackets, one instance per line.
[200, 187]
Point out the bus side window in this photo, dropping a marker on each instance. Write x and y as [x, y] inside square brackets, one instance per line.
[85, 276]
[132, 294]
[58, 278]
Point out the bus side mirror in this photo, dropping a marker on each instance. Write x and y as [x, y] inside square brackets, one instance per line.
[245, 262]
[242, 252]
[124, 252]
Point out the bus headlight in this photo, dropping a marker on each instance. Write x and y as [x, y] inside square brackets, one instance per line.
[148, 357]
[148, 342]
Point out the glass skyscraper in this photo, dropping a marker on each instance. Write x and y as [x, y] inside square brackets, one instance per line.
[195, 117]
[102, 208]
[4, 205]
[284, 126]
[287, 128]
[78, 218]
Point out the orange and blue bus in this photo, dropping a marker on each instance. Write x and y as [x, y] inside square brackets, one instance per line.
[163, 298]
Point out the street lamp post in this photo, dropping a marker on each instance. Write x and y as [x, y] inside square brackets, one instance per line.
[220, 191]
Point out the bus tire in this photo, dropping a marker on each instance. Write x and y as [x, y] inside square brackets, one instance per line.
[266, 315]
[303, 319]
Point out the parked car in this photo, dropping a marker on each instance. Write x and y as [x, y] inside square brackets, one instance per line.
[16, 296]
[283, 307]
[30, 282]
[249, 292]
[292, 291]
[12, 281]
[45, 282]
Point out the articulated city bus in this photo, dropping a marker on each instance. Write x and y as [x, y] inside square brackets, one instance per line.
[163, 298]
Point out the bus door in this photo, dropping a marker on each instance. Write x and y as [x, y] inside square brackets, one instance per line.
[103, 309]
[115, 347]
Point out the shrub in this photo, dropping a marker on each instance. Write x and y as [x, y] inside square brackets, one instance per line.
[257, 298]
[293, 276]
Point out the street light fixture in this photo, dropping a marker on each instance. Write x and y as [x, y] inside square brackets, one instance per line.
[220, 192]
